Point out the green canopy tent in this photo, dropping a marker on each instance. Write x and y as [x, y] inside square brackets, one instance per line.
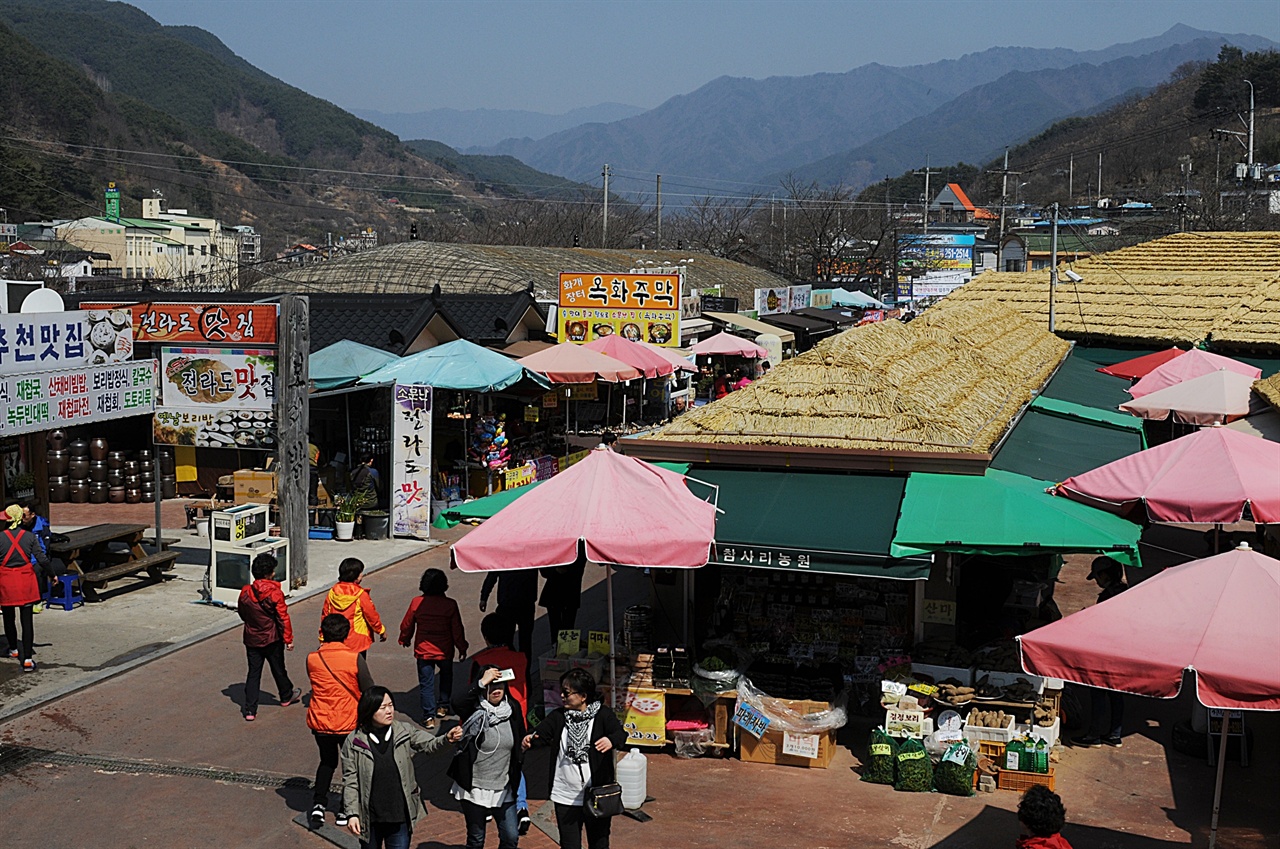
[345, 362]
[1054, 440]
[1001, 513]
[1078, 380]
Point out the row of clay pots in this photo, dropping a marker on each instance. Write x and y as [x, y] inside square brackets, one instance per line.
[63, 489]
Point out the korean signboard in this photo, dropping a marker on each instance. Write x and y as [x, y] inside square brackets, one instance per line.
[33, 402]
[715, 303]
[800, 296]
[639, 307]
[411, 461]
[645, 717]
[50, 341]
[820, 299]
[773, 301]
[202, 324]
[750, 720]
[218, 379]
[214, 429]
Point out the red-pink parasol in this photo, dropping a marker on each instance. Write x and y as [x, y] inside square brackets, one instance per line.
[1142, 366]
[729, 345]
[1193, 363]
[1215, 398]
[633, 354]
[1207, 477]
[679, 362]
[570, 363]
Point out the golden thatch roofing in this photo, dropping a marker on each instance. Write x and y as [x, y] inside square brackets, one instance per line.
[487, 269]
[1269, 389]
[1187, 288]
[950, 381]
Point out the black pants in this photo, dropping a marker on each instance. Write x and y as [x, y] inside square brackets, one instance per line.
[569, 821]
[26, 647]
[273, 654]
[330, 746]
[560, 619]
[522, 616]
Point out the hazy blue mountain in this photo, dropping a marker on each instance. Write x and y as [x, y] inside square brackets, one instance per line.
[470, 128]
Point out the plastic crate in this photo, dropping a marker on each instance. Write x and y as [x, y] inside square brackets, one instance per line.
[319, 533]
[550, 668]
[991, 749]
[978, 733]
[1015, 779]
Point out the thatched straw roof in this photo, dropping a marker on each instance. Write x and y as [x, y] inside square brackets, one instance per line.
[950, 381]
[1221, 288]
[1269, 389]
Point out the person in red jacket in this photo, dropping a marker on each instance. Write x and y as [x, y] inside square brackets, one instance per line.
[435, 619]
[356, 605]
[20, 552]
[268, 633]
[1042, 816]
[338, 677]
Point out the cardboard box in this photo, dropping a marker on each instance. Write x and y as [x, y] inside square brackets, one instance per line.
[254, 486]
[768, 750]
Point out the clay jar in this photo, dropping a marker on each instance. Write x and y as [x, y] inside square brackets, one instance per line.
[59, 489]
[115, 460]
[78, 491]
[115, 477]
[58, 463]
[56, 440]
[144, 457]
[132, 496]
[168, 486]
[116, 495]
[79, 448]
[78, 468]
[98, 449]
[98, 493]
[98, 470]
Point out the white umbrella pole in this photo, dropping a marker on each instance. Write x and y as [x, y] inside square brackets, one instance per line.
[1217, 787]
[613, 666]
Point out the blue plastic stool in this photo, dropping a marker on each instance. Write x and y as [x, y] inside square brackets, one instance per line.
[65, 593]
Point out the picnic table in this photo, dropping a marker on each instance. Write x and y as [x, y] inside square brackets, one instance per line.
[88, 553]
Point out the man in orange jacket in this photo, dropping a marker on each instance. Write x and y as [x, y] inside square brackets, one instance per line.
[338, 677]
[356, 605]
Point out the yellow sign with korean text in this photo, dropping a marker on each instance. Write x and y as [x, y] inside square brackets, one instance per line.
[639, 307]
[568, 642]
[645, 717]
[598, 643]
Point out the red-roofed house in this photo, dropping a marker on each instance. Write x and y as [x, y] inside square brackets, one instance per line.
[953, 206]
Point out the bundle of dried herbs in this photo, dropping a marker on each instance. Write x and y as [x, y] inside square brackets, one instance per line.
[954, 774]
[915, 770]
[883, 751]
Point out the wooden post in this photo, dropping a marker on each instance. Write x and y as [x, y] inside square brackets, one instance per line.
[292, 425]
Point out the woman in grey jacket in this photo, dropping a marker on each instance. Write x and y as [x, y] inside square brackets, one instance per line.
[379, 788]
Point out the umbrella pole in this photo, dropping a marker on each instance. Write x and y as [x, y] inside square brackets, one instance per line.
[613, 666]
[1217, 787]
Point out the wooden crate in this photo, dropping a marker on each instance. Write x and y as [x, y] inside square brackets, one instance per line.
[1014, 779]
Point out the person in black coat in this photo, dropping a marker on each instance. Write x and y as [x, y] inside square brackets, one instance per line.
[582, 735]
[486, 768]
[561, 596]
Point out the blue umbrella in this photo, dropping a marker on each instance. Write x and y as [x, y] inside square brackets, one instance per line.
[345, 362]
[458, 365]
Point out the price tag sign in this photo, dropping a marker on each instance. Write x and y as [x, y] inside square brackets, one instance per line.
[938, 612]
[908, 723]
[598, 643]
[750, 720]
[800, 745]
[569, 643]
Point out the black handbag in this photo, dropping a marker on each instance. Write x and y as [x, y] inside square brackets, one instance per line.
[603, 800]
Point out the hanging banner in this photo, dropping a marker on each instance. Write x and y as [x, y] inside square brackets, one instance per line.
[645, 717]
[49, 400]
[639, 307]
[43, 342]
[773, 301]
[218, 379]
[411, 461]
[213, 429]
[219, 324]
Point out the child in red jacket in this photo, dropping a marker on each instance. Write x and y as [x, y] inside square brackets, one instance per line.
[356, 605]
[438, 623]
[1042, 816]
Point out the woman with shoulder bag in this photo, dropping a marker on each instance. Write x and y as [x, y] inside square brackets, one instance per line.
[486, 769]
[20, 553]
[583, 735]
[379, 787]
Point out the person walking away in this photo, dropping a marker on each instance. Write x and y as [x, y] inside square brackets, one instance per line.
[338, 676]
[1106, 716]
[1042, 816]
[34, 523]
[498, 632]
[517, 596]
[313, 473]
[354, 602]
[379, 786]
[268, 634]
[582, 735]
[365, 478]
[20, 586]
[561, 596]
[486, 769]
[433, 626]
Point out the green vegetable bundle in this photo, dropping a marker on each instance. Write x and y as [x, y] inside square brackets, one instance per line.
[954, 774]
[915, 769]
[883, 750]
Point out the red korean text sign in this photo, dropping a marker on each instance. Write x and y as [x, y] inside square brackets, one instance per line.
[227, 324]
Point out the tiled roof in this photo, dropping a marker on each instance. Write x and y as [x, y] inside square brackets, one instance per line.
[477, 317]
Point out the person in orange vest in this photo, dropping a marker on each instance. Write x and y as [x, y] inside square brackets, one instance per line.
[356, 605]
[338, 676]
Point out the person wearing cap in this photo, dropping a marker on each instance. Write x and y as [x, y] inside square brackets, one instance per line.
[1107, 714]
[20, 556]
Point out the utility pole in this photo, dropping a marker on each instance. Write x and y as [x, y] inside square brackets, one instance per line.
[1053, 266]
[1004, 202]
[659, 212]
[1250, 129]
[604, 239]
[1099, 176]
[927, 199]
[1071, 182]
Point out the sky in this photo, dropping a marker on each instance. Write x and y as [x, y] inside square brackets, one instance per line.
[556, 55]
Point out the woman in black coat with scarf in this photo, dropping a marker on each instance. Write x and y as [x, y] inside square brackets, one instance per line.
[582, 735]
[486, 768]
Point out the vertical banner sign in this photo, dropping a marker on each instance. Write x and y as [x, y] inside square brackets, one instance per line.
[639, 307]
[112, 202]
[411, 461]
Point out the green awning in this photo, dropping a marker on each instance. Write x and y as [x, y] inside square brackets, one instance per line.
[484, 508]
[836, 524]
[1079, 381]
[1001, 513]
[1057, 439]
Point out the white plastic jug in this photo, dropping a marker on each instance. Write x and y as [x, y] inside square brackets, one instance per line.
[633, 776]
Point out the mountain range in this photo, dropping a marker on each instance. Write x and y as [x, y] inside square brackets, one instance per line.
[478, 128]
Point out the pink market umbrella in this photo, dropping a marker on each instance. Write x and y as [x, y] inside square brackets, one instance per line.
[570, 363]
[1207, 477]
[1215, 398]
[677, 361]
[1193, 363]
[633, 354]
[729, 345]
[1140, 367]
[617, 510]
[1214, 617]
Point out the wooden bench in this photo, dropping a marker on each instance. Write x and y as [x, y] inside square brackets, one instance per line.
[154, 565]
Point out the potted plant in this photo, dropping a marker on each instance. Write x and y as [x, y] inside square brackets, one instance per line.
[346, 507]
[375, 523]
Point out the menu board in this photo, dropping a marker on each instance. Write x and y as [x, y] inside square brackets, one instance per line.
[218, 379]
[48, 400]
[638, 307]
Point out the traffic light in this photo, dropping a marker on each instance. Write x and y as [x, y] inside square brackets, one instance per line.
[413, 232]
[577, 240]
